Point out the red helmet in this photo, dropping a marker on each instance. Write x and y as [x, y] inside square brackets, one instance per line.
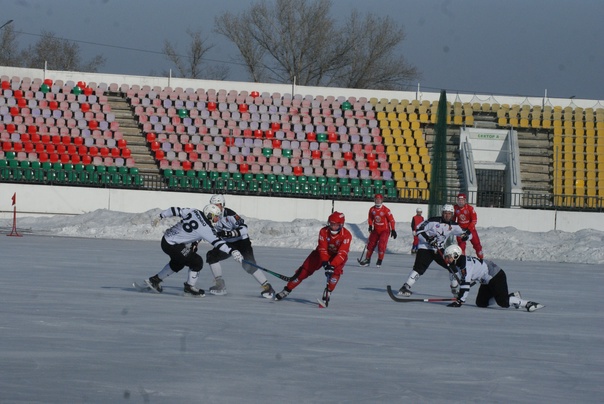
[336, 217]
[462, 196]
[378, 196]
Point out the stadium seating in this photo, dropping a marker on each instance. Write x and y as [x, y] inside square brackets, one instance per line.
[261, 142]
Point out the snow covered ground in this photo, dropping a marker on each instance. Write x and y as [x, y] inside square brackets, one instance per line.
[73, 329]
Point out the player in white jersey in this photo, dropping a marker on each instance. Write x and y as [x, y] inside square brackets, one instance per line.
[492, 279]
[433, 234]
[180, 243]
[232, 228]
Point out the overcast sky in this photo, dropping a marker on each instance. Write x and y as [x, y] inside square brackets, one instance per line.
[512, 47]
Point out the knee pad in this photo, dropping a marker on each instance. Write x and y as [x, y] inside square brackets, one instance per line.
[195, 263]
[249, 269]
[213, 256]
[176, 266]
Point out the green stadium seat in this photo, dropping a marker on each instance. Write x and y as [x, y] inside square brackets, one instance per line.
[192, 179]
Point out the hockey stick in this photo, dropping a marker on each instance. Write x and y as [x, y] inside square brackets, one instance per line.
[282, 277]
[404, 300]
[362, 254]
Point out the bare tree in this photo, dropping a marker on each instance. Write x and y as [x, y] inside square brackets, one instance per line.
[191, 65]
[9, 47]
[297, 40]
[60, 54]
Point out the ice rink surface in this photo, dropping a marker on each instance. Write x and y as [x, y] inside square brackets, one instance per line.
[74, 330]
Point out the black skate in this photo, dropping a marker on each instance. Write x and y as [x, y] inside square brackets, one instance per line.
[154, 283]
[193, 291]
[405, 290]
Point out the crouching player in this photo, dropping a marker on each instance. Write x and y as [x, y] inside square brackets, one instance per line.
[331, 254]
[492, 279]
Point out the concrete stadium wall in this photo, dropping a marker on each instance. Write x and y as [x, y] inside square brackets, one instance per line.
[42, 200]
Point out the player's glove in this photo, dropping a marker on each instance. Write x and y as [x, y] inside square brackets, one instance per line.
[433, 241]
[466, 235]
[456, 303]
[328, 269]
[237, 256]
[393, 234]
[370, 229]
[228, 234]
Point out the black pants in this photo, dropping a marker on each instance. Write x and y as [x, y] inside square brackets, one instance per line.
[497, 288]
[243, 246]
[424, 258]
[182, 255]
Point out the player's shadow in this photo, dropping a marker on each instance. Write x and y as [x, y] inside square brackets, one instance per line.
[380, 290]
[302, 301]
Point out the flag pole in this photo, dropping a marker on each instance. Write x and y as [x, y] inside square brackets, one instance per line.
[14, 232]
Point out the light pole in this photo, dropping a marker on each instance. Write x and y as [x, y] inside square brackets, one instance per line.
[6, 23]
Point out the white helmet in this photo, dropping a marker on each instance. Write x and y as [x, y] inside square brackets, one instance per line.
[448, 208]
[217, 199]
[210, 211]
[453, 251]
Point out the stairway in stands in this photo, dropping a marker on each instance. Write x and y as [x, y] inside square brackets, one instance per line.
[135, 139]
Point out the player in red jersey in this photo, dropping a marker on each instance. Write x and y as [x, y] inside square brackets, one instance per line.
[331, 254]
[416, 221]
[465, 216]
[381, 226]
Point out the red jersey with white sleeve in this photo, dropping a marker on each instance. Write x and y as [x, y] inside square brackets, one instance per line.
[381, 219]
[465, 217]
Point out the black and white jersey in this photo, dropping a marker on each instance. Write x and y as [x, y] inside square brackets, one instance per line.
[436, 229]
[193, 227]
[472, 269]
[231, 221]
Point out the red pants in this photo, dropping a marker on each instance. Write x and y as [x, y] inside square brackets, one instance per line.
[379, 239]
[311, 264]
[475, 243]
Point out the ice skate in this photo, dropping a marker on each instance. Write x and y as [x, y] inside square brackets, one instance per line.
[532, 306]
[267, 291]
[219, 289]
[405, 290]
[282, 295]
[154, 283]
[193, 291]
[364, 263]
[378, 263]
